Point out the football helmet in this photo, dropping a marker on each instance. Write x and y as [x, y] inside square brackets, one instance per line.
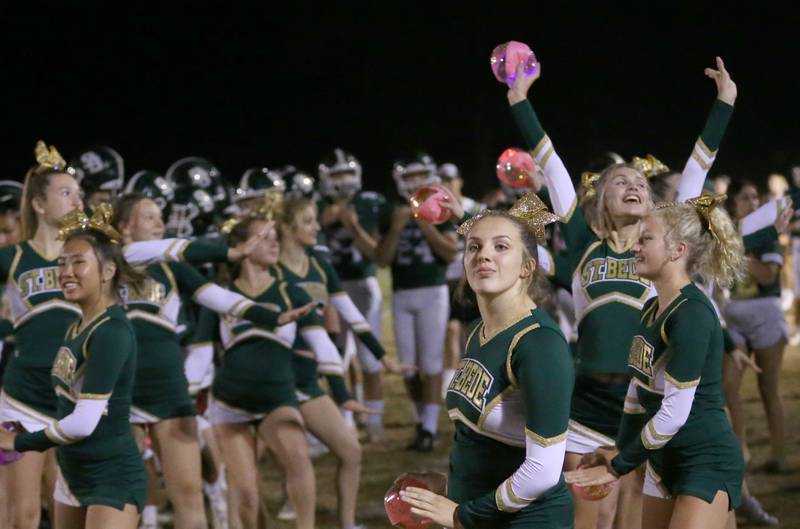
[99, 168]
[419, 164]
[448, 171]
[192, 173]
[299, 183]
[10, 196]
[153, 186]
[257, 181]
[339, 174]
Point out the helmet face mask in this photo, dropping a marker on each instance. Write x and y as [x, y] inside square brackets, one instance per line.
[414, 173]
[153, 186]
[256, 182]
[199, 192]
[339, 174]
[191, 218]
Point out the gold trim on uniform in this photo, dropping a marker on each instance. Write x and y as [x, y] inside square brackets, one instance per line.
[456, 414]
[706, 150]
[546, 441]
[285, 295]
[513, 495]
[517, 337]
[498, 500]
[319, 269]
[592, 435]
[180, 253]
[664, 323]
[168, 251]
[493, 403]
[88, 337]
[539, 146]
[95, 396]
[571, 211]
[681, 385]
[546, 157]
[699, 159]
[657, 436]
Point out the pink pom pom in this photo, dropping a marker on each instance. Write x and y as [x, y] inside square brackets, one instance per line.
[426, 206]
[515, 167]
[398, 511]
[507, 56]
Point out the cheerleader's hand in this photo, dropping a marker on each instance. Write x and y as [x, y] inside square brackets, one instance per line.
[743, 360]
[726, 88]
[295, 314]
[587, 477]
[357, 407]
[784, 219]
[247, 247]
[519, 90]
[397, 369]
[430, 505]
[7, 439]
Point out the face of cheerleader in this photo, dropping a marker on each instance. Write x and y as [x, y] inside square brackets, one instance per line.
[268, 250]
[79, 272]
[651, 250]
[746, 201]
[305, 227]
[145, 222]
[626, 194]
[493, 257]
[9, 228]
[777, 185]
[62, 196]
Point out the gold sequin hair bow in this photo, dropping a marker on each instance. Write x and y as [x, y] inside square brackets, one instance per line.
[588, 181]
[48, 157]
[529, 209]
[100, 221]
[649, 166]
[705, 204]
[269, 210]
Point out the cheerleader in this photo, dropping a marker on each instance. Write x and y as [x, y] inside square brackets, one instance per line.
[607, 291]
[162, 403]
[510, 396]
[758, 326]
[301, 266]
[674, 418]
[101, 478]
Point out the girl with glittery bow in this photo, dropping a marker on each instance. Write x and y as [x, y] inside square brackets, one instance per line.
[607, 290]
[674, 419]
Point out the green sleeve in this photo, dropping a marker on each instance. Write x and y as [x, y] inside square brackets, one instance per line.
[206, 251]
[6, 329]
[717, 122]
[338, 389]
[754, 241]
[108, 349]
[207, 327]
[333, 283]
[542, 366]
[371, 342]
[630, 428]
[528, 123]
[563, 271]
[188, 278]
[727, 341]
[7, 254]
[689, 332]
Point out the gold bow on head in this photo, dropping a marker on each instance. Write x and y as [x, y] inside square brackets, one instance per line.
[268, 210]
[529, 209]
[649, 166]
[48, 156]
[705, 204]
[588, 181]
[100, 221]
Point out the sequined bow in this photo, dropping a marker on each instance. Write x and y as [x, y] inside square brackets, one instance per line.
[529, 209]
[588, 181]
[48, 156]
[705, 204]
[268, 210]
[100, 220]
[649, 166]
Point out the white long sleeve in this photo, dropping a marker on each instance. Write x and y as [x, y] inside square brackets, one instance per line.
[329, 362]
[540, 471]
[80, 423]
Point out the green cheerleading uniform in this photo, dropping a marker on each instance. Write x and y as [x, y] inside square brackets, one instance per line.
[96, 366]
[347, 259]
[321, 282]
[256, 376]
[41, 316]
[509, 399]
[608, 294]
[674, 411]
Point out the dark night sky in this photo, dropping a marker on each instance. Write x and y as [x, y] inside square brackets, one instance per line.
[270, 86]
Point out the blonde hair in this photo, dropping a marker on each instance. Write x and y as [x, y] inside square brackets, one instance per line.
[594, 201]
[715, 248]
[37, 180]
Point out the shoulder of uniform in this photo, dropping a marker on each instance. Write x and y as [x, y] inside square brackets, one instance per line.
[369, 196]
[7, 255]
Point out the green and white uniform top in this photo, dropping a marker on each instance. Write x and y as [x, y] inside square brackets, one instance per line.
[347, 259]
[41, 315]
[607, 292]
[415, 265]
[675, 395]
[93, 377]
[510, 401]
[322, 284]
[764, 246]
[256, 356]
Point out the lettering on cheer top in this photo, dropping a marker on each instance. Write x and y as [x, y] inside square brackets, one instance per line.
[472, 381]
[640, 356]
[38, 281]
[610, 268]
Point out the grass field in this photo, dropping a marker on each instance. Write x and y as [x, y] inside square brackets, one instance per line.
[779, 494]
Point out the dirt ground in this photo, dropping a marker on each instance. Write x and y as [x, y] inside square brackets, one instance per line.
[779, 494]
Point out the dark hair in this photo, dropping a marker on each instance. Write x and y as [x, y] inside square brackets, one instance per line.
[537, 288]
[736, 187]
[123, 208]
[36, 183]
[111, 252]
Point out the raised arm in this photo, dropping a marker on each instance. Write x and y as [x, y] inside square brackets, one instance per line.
[705, 148]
